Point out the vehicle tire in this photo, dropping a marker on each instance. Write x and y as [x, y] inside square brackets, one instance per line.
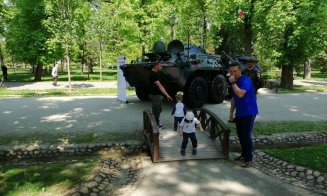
[197, 93]
[218, 89]
[142, 94]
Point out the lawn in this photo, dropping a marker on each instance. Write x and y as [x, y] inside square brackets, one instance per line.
[64, 92]
[45, 178]
[25, 75]
[313, 157]
[269, 128]
[40, 138]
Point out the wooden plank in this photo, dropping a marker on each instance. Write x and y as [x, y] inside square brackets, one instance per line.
[170, 142]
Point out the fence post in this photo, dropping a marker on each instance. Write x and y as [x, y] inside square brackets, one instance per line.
[226, 143]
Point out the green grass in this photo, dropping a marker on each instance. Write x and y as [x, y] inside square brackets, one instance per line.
[314, 157]
[64, 92]
[299, 89]
[269, 128]
[25, 75]
[315, 75]
[40, 138]
[44, 179]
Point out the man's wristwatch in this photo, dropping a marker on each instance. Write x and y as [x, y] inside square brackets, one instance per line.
[232, 83]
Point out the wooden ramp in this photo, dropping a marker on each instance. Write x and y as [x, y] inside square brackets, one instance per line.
[170, 145]
[165, 144]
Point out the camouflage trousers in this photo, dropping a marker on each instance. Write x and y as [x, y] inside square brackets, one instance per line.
[156, 106]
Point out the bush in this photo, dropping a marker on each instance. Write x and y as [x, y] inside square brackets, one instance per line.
[323, 69]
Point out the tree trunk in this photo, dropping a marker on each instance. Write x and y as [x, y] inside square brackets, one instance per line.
[307, 70]
[38, 73]
[68, 65]
[248, 29]
[100, 60]
[287, 76]
[2, 61]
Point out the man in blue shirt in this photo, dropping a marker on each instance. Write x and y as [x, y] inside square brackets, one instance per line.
[245, 103]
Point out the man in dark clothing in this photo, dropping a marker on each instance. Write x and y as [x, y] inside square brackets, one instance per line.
[156, 92]
[245, 103]
[4, 72]
[253, 74]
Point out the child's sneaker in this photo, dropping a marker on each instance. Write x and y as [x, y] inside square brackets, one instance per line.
[194, 151]
[161, 126]
[183, 152]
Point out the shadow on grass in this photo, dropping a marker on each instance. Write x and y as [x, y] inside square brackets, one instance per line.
[69, 138]
[48, 177]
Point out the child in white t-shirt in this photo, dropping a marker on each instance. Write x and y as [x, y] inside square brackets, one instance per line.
[179, 110]
[187, 129]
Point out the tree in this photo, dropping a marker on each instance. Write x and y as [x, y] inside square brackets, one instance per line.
[2, 28]
[289, 31]
[63, 22]
[27, 36]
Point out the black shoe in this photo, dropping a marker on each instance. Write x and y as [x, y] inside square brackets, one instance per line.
[247, 164]
[183, 152]
[239, 158]
[161, 126]
[194, 151]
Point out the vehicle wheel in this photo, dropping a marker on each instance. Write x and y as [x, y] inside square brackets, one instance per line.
[218, 89]
[142, 94]
[197, 93]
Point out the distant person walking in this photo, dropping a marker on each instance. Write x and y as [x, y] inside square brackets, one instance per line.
[179, 110]
[4, 72]
[245, 103]
[54, 74]
[156, 92]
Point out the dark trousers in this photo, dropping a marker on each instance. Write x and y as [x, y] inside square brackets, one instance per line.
[177, 120]
[55, 79]
[156, 106]
[244, 126]
[192, 136]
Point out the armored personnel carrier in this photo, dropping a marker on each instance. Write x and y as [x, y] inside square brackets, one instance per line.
[186, 68]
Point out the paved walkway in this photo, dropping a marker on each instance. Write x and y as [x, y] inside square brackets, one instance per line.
[105, 114]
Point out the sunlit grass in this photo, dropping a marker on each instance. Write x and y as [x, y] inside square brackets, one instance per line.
[70, 138]
[269, 128]
[46, 178]
[299, 89]
[314, 157]
[25, 75]
[64, 92]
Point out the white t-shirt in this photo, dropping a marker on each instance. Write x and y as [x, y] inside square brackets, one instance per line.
[179, 111]
[189, 127]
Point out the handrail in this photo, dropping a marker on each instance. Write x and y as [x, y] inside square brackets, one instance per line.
[151, 131]
[215, 126]
[209, 121]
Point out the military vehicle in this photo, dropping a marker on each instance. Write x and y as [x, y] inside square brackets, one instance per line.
[186, 68]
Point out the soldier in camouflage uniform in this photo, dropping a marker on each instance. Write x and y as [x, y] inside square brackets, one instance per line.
[253, 73]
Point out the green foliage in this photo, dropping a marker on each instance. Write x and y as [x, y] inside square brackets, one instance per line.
[285, 32]
[45, 178]
[314, 157]
[288, 32]
[27, 36]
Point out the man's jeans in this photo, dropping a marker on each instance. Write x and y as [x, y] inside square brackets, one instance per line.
[244, 126]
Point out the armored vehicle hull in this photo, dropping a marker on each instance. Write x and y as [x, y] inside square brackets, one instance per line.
[185, 68]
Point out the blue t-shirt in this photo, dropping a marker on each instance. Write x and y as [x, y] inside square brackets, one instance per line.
[247, 105]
